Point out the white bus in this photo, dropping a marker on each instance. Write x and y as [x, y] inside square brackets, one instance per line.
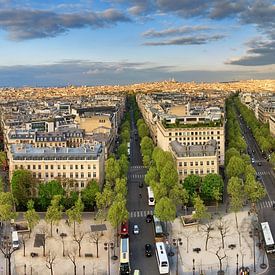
[162, 259]
[268, 239]
[151, 199]
[15, 240]
[124, 256]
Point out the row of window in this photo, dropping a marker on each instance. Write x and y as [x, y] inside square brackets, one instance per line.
[195, 172]
[71, 175]
[194, 133]
[197, 163]
[194, 143]
[58, 167]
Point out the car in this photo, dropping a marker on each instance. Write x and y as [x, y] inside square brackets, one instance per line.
[140, 185]
[259, 163]
[137, 272]
[149, 218]
[273, 206]
[135, 229]
[258, 177]
[252, 160]
[253, 151]
[148, 250]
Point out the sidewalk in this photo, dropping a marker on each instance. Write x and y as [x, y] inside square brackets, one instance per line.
[207, 262]
[63, 265]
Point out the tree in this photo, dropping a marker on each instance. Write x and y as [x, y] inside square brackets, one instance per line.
[254, 191]
[78, 239]
[112, 170]
[146, 160]
[207, 228]
[159, 190]
[43, 237]
[209, 184]
[200, 210]
[122, 149]
[89, 193]
[230, 153]
[124, 165]
[7, 211]
[143, 130]
[152, 174]
[147, 146]
[50, 259]
[220, 258]
[104, 199]
[272, 159]
[169, 175]
[223, 228]
[165, 210]
[236, 193]
[121, 186]
[23, 185]
[117, 214]
[46, 192]
[179, 195]
[94, 238]
[125, 135]
[192, 184]
[31, 216]
[75, 213]
[72, 257]
[54, 212]
[217, 196]
[249, 170]
[235, 167]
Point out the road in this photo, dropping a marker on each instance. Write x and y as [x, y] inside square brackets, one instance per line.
[138, 208]
[265, 172]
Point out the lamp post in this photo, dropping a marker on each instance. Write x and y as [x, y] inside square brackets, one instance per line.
[83, 269]
[108, 246]
[25, 269]
[237, 269]
[176, 243]
[193, 266]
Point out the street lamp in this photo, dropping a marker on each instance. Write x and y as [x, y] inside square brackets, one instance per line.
[83, 269]
[237, 270]
[108, 246]
[25, 269]
[193, 266]
[176, 243]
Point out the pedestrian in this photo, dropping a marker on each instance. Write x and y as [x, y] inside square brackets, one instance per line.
[56, 230]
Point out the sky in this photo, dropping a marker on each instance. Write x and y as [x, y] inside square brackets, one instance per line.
[100, 42]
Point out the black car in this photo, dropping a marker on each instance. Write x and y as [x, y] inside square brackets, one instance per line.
[259, 164]
[149, 218]
[140, 185]
[148, 250]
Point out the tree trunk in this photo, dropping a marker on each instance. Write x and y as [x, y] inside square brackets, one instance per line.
[51, 270]
[44, 249]
[206, 242]
[222, 240]
[9, 263]
[97, 248]
[51, 228]
[236, 220]
[220, 260]
[24, 246]
[74, 269]
[217, 205]
[74, 228]
[79, 250]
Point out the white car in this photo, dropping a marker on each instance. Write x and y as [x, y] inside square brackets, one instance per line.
[252, 160]
[136, 229]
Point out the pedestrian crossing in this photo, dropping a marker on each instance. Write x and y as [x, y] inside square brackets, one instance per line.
[265, 204]
[136, 176]
[261, 173]
[137, 167]
[141, 213]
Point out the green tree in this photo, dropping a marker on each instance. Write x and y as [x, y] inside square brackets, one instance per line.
[75, 213]
[254, 191]
[31, 216]
[169, 175]
[249, 170]
[152, 174]
[165, 210]
[146, 160]
[179, 195]
[54, 212]
[230, 153]
[272, 159]
[121, 186]
[23, 185]
[125, 135]
[104, 199]
[7, 211]
[159, 190]
[46, 192]
[147, 146]
[89, 193]
[209, 183]
[192, 184]
[200, 210]
[235, 167]
[117, 214]
[143, 130]
[122, 149]
[217, 196]
[124, 165]
[112, 170]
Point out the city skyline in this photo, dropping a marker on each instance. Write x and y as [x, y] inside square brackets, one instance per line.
[120, 42]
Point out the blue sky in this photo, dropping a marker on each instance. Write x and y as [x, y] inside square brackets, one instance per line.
[89, 42]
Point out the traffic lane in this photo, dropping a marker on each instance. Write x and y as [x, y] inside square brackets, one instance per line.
[147, 265]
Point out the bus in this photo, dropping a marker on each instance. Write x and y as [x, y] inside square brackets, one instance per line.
[162, 259]
[124, 230]
[151, 199]
[268, 239]
[157, 227]
[124, 256]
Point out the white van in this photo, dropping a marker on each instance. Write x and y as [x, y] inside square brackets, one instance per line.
[137, 272]
[15, 240]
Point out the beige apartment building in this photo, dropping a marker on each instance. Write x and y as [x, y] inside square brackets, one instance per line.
[192, 135]
[81, 164]
[272, 125]
[195, 159]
